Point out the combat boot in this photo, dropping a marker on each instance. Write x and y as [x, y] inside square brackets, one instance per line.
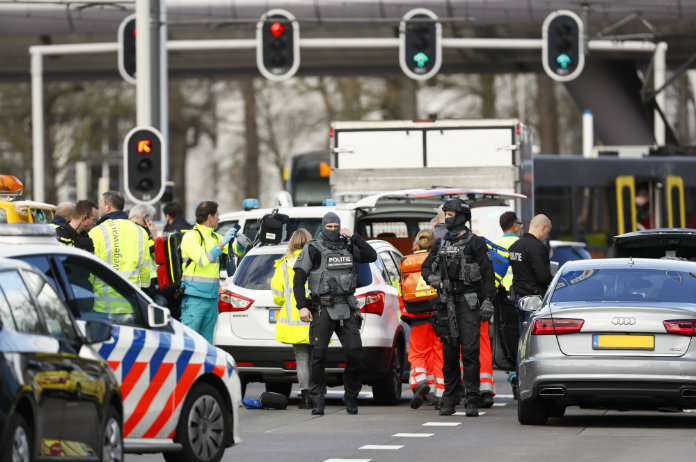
[304, 400]
[447, 407]
[471, 408]
[351, 405]
[419, 394]
[318, 406]
[485, 400]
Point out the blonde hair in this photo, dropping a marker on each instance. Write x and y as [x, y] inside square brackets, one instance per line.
[424, 240]
[298, 240]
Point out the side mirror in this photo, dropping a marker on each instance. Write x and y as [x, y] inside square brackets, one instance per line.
[97, 331]
[157, 316]
[530, 303]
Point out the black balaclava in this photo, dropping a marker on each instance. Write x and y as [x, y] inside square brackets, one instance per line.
[333, 234]
[457, 223]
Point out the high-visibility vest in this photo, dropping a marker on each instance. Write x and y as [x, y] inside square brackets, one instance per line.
[122, 244]
[500, 258]
[201, 274]
[506, 242]
[289, 328]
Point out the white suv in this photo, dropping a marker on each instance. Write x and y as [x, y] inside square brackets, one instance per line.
[247, 315]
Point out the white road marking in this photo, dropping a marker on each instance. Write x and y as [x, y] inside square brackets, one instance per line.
[381, 446]
[505, 396]
[347, 460]
[441, 424]
[413, 435]
[499, 404]
[464, 413]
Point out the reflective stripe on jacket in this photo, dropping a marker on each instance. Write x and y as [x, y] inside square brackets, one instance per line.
[289, 328]
[201, 271]
[122, 245]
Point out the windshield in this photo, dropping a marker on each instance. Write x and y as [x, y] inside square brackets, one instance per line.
[256, 271]
[625, 285]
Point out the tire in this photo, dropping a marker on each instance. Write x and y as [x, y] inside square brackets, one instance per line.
[19, 441]
[204, 427]
[556, 410]
[284, 388]
[387, 390]
[112, 438]
[532, 412]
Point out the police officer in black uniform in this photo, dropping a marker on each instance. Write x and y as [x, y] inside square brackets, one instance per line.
[329, 263]
[529, 259]
[74, 232]
[462, 258]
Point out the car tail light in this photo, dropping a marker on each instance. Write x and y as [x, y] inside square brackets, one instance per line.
[557, 326]
[229, 301]
[371, 302]
[245, 364]
[290, 364]
[681, 327]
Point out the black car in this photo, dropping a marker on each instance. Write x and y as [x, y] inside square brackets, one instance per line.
[58, 398]
[655, 243]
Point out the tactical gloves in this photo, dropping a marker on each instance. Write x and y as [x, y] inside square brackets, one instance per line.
[434, 280]
[486, 310]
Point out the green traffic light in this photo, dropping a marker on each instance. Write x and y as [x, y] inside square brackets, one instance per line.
[564, 60]
[421, 59]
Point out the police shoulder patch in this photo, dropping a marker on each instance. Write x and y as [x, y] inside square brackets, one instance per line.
[300, 256]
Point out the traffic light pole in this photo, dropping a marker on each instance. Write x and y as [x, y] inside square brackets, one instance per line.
[37, 53]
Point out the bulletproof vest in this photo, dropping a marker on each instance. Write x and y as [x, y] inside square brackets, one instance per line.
[460, 263]
[333, 283]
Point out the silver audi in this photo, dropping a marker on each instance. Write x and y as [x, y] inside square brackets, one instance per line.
[610, 334]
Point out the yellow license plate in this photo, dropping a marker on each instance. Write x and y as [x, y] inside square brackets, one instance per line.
[273, 315]
[623, 342]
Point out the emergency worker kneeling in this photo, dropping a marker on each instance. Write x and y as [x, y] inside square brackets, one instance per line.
[329, 263]
[459, 267]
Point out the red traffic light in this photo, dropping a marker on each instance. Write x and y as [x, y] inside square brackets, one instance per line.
[144, 146]
[277, 29]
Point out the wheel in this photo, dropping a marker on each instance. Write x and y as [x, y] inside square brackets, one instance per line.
[556, 410]
[284, 388]
[203, 427]
[532, 412]
[387, 390]
[112, 438]
[18, 444]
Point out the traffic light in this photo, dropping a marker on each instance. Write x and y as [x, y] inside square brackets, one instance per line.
[143, 165]
[278, 45]
[420, 47]
[563, 50]
[126, 49]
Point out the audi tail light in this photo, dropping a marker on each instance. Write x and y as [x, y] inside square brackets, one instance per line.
[557, 326]
[681, 327]
[371, 302]
[230, 301]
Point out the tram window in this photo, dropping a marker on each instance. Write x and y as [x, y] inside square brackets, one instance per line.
[592, 215]
[554, 202]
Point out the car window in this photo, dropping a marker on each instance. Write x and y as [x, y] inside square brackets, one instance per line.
[256, 271]
[392, 271]
[564, 254]
[99, 293]
[625, 285]
[379, 229]
[382, 269]
[5, 312]
[54, 312]
[222, 229]
[26, 319]
[43, 264]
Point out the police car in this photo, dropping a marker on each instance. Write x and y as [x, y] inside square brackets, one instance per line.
[181, 394]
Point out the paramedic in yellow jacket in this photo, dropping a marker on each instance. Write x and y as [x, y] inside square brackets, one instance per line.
[122, 245]
[289, 328]
[201, 249]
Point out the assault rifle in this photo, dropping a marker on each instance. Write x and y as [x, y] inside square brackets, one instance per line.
[449, 331]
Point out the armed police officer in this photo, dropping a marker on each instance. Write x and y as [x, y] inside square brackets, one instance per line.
[459, 266]
[329, 263]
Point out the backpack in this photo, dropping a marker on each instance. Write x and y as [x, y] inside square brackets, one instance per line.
[169, 260]
[274, 229]
[415, 292]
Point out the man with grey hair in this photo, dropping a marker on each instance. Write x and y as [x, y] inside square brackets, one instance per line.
[438, 223]
[141, 215]
[64, 212]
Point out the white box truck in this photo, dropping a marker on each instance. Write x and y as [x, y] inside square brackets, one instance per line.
[370, 157]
